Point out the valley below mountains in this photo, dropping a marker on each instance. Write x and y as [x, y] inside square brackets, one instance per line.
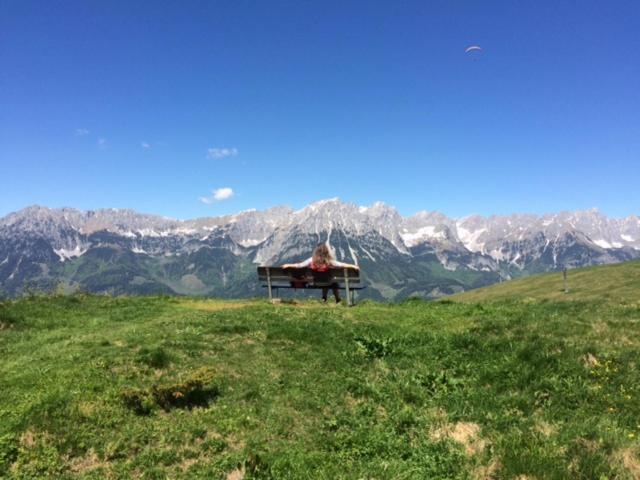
[427, 255]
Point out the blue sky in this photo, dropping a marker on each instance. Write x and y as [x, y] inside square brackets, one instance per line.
[154, 105]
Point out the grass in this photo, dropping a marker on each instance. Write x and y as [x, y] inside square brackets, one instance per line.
[618, 282]
[156, 387]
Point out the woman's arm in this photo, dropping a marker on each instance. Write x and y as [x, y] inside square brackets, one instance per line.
[303, 264]
[335, 263]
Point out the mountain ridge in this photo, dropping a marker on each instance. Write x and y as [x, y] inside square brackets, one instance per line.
[427, 254]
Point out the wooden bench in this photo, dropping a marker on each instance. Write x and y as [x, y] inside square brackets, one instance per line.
[274, 278]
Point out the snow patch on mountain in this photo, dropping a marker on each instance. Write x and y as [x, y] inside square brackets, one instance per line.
[470, 239]
[353, 255]
[251, 242]
[423, 233]
[66, 254]
[602, 243]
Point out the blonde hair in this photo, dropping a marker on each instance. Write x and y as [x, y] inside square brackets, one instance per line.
[322, 255]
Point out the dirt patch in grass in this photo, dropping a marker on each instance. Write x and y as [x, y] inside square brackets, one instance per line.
[351, 402]
[487, 472]
[544, 428]
[234, 443]
[85, 464]
[28, 439]
[466, 434]
[213, 305]
[589, 360]
[237, 474]
[87, 409]
[187, 463]
[600, 328]
[588, 445]
[630, 460]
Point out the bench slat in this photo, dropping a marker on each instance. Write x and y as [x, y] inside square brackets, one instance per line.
[279, 274]
[310, 287]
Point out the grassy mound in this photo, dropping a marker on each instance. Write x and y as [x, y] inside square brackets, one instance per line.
[618, 283]
[99, 387]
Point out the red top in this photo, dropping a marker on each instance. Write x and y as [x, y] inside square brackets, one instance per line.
[319, 268]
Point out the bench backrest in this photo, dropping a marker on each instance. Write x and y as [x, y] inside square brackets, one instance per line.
[281, 275]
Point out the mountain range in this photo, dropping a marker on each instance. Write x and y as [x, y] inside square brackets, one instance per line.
[428, 254]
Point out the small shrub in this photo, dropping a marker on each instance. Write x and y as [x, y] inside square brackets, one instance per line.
[155, 357]
[414, 300]
[374, 347]
[8, 452]
[8, 318]
[446, 301]
[32, 291]
[256, 465]
[405, 420]
[42, 460]
[138, 400]
[196, 390]
[214, 445]
[436, 382]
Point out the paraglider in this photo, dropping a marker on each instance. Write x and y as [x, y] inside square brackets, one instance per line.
[472, 48]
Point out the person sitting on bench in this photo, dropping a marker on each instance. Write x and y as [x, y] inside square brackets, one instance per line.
[321, 261]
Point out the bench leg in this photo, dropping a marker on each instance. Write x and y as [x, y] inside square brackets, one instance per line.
[269, 284]
[346, 285]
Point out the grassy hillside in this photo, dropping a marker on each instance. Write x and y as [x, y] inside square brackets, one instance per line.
[100, 387]
[617, 283]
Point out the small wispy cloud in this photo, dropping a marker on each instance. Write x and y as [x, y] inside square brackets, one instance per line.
[145, 145]
[82, 132]
[218, 195]
[102, 143]
[216, 153]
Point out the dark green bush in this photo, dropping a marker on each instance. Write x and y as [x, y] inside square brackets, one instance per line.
[155, 357]
[196, 390]
[8, 318]
[138, 400]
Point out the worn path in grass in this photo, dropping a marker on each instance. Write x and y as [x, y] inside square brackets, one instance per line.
[99, 387]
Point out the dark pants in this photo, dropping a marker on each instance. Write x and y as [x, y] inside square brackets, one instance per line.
[336, 292]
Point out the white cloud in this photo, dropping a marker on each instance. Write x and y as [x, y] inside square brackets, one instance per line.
[218, 195]
[102, 143]
[82, 132]
[223, 193]
[216, 153]
[145, 145]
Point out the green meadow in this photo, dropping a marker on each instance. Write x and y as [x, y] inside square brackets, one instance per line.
[502, 387]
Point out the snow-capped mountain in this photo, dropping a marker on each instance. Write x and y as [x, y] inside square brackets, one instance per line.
[428, 254]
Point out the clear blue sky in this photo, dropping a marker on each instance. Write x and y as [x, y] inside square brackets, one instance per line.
[308, 100]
